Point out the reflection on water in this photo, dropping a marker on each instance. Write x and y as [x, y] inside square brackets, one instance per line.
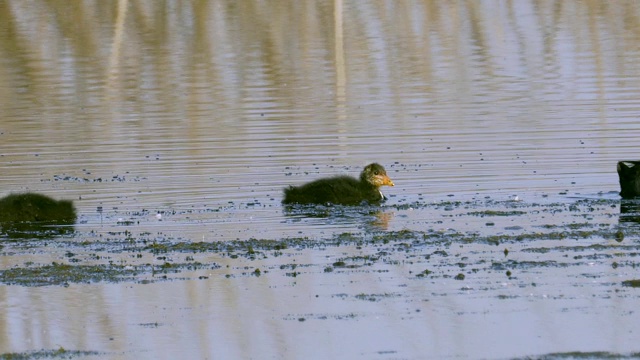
[370, 218]
[35, 230]
[630, 211]
[203, 111]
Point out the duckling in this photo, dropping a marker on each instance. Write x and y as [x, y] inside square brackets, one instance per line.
[629, 174]
[343, 190]
[30, 211]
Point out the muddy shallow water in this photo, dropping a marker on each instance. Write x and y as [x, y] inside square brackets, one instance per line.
[175, 127]
[490, 278]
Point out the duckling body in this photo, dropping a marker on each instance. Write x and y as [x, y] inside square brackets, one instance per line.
[343, 190]
[629, 174]
[32, 207]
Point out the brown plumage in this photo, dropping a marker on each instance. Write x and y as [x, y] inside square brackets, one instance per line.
[343, 190]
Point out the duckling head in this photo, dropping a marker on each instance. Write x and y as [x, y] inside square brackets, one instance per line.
[376, 175]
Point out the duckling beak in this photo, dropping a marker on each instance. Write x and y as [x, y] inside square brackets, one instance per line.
[386, 181]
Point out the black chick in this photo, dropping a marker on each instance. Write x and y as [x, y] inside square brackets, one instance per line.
[343, 190]
[33, 207]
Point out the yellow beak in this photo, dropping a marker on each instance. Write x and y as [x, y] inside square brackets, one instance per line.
[386, 181]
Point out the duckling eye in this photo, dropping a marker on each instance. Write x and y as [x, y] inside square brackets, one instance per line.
[375, 172]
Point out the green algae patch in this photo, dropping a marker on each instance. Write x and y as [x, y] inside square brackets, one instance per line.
[247, 246]
[51, 354]
[250, 247]
[526, 265]
[424, 273]
[375, 297]
[632, 283]
[65, 274]
[497, 213]
[575, 355]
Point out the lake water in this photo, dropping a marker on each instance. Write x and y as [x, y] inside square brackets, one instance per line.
[183, 121]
